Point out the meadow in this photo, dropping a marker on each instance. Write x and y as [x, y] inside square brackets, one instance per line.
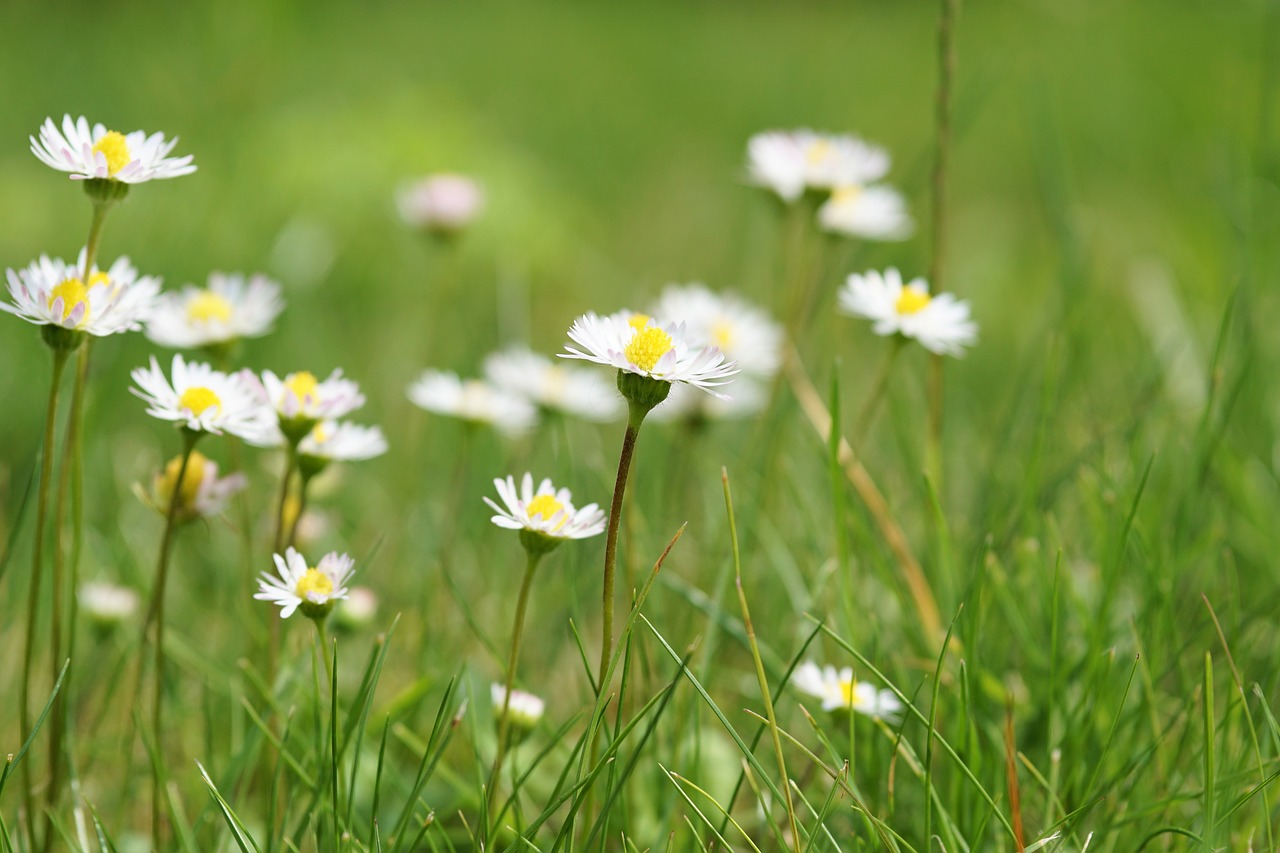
[1049, 564]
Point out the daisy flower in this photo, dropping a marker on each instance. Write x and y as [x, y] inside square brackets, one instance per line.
[444, 203]
[523, 710]
[357, 610]
[744, 333]
[790, 162]
[473, 400]
[332, 441]
[870, 212]
[636, 344]
[203, 400]
[51, 292]
[106, 604]
[315, 590]
[940, 323]
[203, 493]
[299, 400]
[556, 387]
[97, 153]
[838, 691]
[546, 511]
[230, 308]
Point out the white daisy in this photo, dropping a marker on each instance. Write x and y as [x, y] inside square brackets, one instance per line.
[473, 400]
[315, 590]
[870, 212]
[203, 399]
[203, 494]
[744, 333]
[230, 308]
[838, 691]
[357, 610]
[445, 203]
[299, 400]
[524, 710]
[635, 343]
[685, 403]
[331, 441]
[96, 152]
[940, 323]
[52, 292]
[790, 162]
[106, 604]
[558, 387]
[546, 510]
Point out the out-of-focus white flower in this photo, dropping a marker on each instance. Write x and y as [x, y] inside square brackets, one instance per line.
[790, 162]
[557, 387]
[357, 610]
[745, 333]
[547, 511]
[49, 291]
[338, 441]
[203, 399]
[299, 400]
[940, 323]
[106, 604]
[524, 710]
[445, 203]
[230, 308]
[870, 212]
[95, 152]
[473, 400]
[635, 343]
[314, 590]
[203, 493]
[839, 692]
[687, 404]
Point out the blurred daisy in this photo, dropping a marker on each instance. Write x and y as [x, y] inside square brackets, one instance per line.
[635, 343]
[838, 691]
[546, 511]
[332, 441]
[444, 203]
[940, 323]
[790, 162]
[314, 590]
[744, 333]
[473, 400]
[357, 610]
[106, 604]
[299, 400]
[52, 292]
[96, 152]
[523, 710]
[203, 493]
[556, 387]
[873, 213]
[230, 308]
[687, 404]
[204, 400]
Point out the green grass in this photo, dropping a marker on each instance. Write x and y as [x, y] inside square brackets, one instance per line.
[1101, 546]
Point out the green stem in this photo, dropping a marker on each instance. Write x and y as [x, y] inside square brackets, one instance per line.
[277, 547]
[303, 482]
[37, 561]
[504, 723]
[867, 416]
[156, 614]
[634, 419]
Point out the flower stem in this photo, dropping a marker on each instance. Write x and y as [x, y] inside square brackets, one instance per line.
[37, 560]
[504, 723]
[634, 419]
[869, 408]
[303, 482]
[273, 641]
[156, 613]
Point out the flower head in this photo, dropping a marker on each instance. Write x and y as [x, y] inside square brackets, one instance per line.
[940, 323]
[203, 494]
[545, 516]
[51, 292]
[97, 153]
[871, 212]
[637, 344]
[105, 604]
[357, 610]
[300, 400]
[839, 692]
[790, 162]
[334, 441]
[557, 387]
[444, 203]
[523, 710]
[473, 400]
[204, 400]
[230, 308]
[314, 590]
[744, 333]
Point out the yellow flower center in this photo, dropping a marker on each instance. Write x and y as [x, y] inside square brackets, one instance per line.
[911, 301]
[319, 434]
[722, 334]
[547, 506]
[846, 692]
[191, 481]
[197, 399]
[115, 149]
[314, 581]
[638, 321]
[647, 346]
[847, 194]
[73, 292]
[302, 383]
[206, 306]
[819, 150]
